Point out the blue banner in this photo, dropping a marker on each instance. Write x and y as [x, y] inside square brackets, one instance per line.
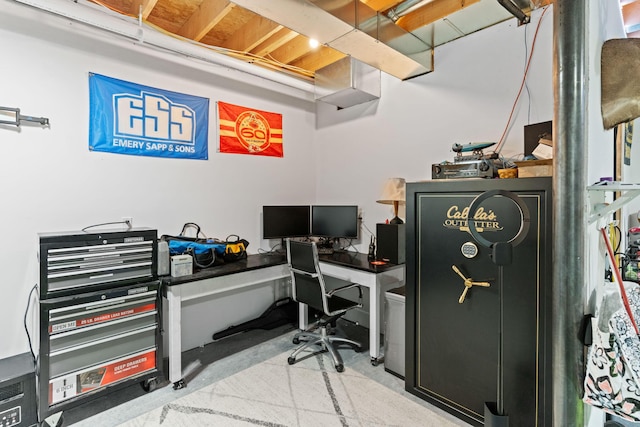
[129, 118]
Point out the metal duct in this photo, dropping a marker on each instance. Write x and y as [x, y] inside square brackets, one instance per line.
[352, 28]
[403, 8]
[347, 82]
[515, 10]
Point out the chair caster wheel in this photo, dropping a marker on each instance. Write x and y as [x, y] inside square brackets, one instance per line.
[374, 361]
[291, 360]
[296, 340]
[149, 385]
[180, 384]
[358, 349]
[339, 368]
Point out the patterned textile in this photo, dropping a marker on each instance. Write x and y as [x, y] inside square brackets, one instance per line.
[249, 131]
[612, 380]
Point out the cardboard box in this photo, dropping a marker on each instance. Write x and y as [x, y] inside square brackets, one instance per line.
[533, 168]
[181, 265]
[543, 151]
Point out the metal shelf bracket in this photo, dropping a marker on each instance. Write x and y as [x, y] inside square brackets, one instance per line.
[600, 209]
[18, 118]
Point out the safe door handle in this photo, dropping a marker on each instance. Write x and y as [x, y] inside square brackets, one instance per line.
[468, 283]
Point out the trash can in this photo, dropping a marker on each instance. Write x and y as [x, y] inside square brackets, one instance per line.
[394, 309]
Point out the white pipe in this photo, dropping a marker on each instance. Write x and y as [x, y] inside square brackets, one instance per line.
[224, 66]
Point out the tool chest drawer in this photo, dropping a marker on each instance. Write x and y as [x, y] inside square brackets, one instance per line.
[72, 262]
[92, 343]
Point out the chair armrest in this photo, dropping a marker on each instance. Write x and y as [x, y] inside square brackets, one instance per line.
[344, 288]
[306, 273]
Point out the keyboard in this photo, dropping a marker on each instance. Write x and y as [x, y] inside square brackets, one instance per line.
[325, 251]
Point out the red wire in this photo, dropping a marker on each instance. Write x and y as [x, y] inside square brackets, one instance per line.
[524, 79]
[616, 270]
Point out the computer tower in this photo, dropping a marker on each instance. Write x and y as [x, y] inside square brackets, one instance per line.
[18, 391]
[391, 242]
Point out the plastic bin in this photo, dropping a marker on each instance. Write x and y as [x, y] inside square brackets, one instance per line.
[394, 340]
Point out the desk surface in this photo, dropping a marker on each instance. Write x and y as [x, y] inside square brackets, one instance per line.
[252, 262]
[356, 260]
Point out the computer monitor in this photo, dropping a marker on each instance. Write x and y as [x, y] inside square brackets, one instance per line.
[333, 221]
[280, 222]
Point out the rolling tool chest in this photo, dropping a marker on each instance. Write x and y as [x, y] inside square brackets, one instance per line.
[100, 316]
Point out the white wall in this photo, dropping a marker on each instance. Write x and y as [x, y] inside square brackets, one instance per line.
[337, 157]
[467, 98]
[631, 174]
[604, 22]
[50, 181]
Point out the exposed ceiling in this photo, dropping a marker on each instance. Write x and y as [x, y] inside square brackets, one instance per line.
[276, 33]
[631, 17]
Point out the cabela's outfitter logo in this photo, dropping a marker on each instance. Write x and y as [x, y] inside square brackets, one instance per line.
[484, 220]
[253, 131]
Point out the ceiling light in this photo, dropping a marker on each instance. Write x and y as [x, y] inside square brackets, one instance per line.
[313, 43]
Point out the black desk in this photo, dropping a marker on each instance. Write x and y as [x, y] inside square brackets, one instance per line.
[356, 260]
[252, 271]
[262, 268]
[355, 267]
[252, 262]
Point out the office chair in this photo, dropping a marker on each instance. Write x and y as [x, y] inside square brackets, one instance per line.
[310, 287]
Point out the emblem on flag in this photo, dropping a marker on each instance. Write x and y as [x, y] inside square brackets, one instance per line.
[249, 131]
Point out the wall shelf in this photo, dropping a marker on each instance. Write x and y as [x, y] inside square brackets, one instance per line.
[599, 208]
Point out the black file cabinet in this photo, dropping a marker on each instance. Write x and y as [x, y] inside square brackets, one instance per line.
[453, 349]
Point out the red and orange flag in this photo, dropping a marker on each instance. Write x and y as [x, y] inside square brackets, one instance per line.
[247, 131]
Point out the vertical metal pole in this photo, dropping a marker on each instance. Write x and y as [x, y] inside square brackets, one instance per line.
[569, 187]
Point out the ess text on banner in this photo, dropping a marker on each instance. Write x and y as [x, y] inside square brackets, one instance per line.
[128, 118]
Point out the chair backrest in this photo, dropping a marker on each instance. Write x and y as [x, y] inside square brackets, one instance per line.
[306, 278]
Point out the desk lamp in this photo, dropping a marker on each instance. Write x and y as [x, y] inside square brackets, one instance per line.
[393, 193]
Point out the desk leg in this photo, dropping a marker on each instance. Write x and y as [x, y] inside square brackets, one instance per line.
[174, 337]
[374, 324]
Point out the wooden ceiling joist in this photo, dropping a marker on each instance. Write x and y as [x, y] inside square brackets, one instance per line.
[252, 34]
[279, 39]
[323, 57]
[210, 13]
[431, 12]
[631, 14]
[382, 5]
[143, 7]
[296, 48]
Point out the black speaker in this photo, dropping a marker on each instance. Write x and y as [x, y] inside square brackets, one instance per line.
[391, 242]
[18, 391]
